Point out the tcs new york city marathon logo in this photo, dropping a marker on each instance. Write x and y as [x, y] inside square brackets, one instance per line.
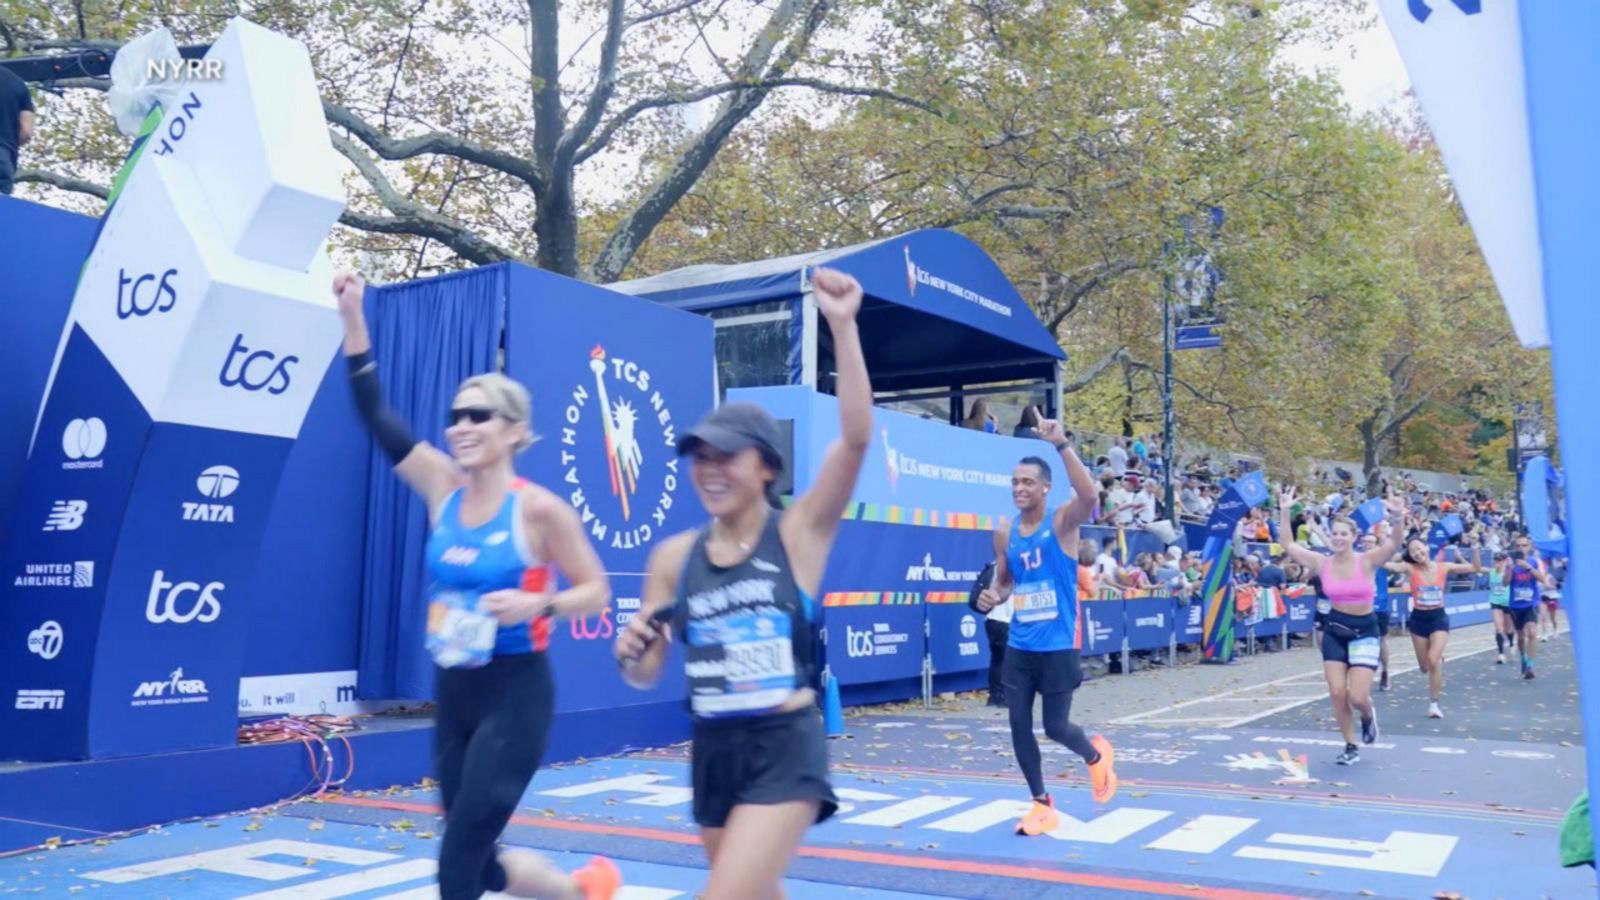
[618, 453]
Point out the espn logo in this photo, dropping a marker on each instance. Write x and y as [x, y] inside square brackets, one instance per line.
[27, 699]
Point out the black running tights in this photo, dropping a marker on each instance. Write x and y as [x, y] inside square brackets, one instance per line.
[1055, 675]
[489, 738]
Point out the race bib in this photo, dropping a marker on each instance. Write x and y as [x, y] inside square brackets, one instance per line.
[1430, 597]
[1364, 652]
[459, 636]
[1035, 602]
[756, 672]
[1523, 596]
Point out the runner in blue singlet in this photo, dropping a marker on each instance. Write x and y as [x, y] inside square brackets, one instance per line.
[491, 603]
[1037, 570]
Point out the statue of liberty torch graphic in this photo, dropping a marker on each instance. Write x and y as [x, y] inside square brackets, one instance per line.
[623, 457]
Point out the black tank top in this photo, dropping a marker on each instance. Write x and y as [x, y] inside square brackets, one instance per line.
[748, 638]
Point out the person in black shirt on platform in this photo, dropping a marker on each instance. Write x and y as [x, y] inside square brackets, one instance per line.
[16, 125]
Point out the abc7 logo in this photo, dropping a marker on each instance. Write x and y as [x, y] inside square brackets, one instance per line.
[857, 643]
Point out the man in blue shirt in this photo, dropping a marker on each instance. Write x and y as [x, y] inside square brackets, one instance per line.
[1036, 568]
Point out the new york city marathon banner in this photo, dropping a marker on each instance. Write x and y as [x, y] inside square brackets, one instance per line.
[1216, 560]
[619, 380]
[199, 333]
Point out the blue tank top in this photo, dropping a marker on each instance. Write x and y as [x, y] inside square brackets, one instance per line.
[491, 557]
[1044, 591]
[1524, 588]
[1380, 591]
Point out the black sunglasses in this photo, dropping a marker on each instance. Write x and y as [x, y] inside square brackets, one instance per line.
[477, 415]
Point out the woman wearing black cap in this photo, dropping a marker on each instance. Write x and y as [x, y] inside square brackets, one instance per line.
[739, 592]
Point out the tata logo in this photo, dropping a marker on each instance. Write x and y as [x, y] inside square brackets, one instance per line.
[593, 628]
[66, 515]
[634, 435]
[256, 369]
[175, 689]
[183, 602]
[83, 441]
[145, 294]
[969, 626]
[31, 699]
[216, 483]
[459, 556]
[45, 641]
[857, 643]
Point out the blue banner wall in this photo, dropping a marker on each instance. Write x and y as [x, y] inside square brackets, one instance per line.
[1150, 622]
[619, 379]
[957, 638]
[914, 463]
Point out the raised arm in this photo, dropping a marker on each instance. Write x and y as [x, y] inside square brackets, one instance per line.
[814, 518]
[1077, 511]
[1302, 555]
[1474, 567]
[427, 470]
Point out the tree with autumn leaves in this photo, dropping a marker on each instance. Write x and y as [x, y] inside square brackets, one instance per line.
[618, 138]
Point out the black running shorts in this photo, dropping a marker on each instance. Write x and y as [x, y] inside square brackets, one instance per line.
[760, 760]
[1423, 622]
[1352, 640]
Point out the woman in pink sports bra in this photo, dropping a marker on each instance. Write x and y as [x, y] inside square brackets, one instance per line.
[1428, 622]
[1350, 648]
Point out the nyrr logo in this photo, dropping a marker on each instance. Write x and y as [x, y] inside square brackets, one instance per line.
[45, 641]
[137, 297]
[638, 446]
[83, 441]
[256, 369]
[176, 689]
[930, 572]
[66, 515]
[216, 482]
[166, 598]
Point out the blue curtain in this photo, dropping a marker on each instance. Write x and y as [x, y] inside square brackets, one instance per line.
[427, 337]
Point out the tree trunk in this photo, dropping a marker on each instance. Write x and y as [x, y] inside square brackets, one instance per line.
[556, 227]
[1372, 457]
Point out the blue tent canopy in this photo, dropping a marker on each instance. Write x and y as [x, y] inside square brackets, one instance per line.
[939, 311]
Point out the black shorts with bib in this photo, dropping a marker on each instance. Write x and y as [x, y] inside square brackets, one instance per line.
[1352, 640]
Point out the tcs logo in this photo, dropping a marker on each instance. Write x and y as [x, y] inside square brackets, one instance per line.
[594, 628]
[857, 643]
[166, 602]
[256, 369]
[135, 296]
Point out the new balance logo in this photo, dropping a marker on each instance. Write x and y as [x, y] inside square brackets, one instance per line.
[66, 515]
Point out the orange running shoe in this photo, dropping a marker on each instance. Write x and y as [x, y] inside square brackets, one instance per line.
[1041, 818]
[1103, 775]
[599, 880]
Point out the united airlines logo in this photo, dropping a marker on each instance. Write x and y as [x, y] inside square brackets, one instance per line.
[66, 515]
[634, 423]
